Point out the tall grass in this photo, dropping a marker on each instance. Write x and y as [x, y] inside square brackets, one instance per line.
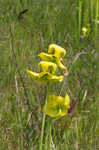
[96, 18]
[79, 17]
[48, 22]
[87, 16]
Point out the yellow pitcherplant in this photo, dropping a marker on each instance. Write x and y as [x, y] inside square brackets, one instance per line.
[57, 106]
[55, 54]
[47, 72]
[45, 66]
[84, 31]
[57, 51]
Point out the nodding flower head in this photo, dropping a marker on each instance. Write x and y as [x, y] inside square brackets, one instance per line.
[54, 59]
[44, 77]
[57, 106]
[84, 31]
[48, 57]
[45, 66]
[57, 51]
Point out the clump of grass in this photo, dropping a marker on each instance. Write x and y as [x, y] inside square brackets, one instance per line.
[87, 14]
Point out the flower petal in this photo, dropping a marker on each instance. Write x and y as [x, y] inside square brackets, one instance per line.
[67, 100]
[57, 106]
[33, 74]
[45, 66]
[62, 67]
[56, 50]
[48, 57]
[45, 76]
[54, 59]
[84, 31]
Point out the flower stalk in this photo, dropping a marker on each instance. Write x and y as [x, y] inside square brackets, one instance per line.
[55, 106]
[44, 116]
[50, 129]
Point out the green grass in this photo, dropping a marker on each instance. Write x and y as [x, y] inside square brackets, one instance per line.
[21, 98]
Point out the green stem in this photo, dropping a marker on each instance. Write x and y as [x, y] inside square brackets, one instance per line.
[46, 139]
[43, 121]
[50, 128]
[79, 17]
[96, 17]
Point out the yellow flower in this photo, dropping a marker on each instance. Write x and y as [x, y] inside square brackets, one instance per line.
[52, 58]
[45, 66]
[48, 57]
[84, 31]
[44, 76]
[62, 67]
[57, 106]
[33, 74]
[56, 51]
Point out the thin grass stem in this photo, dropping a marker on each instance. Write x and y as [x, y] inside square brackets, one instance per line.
[50, 129]
[96, 16]
[44, 117]
[79, 17]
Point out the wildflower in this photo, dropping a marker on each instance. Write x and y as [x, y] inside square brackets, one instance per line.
[47, 67]
[84, 31]
[54, 59]
[57, 106]
[47, 72]
[57, 51]
[48, 57]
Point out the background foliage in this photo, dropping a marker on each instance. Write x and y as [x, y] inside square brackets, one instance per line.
[22, 36]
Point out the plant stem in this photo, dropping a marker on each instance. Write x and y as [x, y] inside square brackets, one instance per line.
[79, 17]
[44, 116]
[50, 128]
[96, 16]
[48, 135]
[46, 139]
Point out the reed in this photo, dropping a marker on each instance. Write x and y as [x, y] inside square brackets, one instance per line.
[79, 17]
[96, 18]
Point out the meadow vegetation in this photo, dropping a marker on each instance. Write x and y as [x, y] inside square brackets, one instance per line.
[28, 27]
